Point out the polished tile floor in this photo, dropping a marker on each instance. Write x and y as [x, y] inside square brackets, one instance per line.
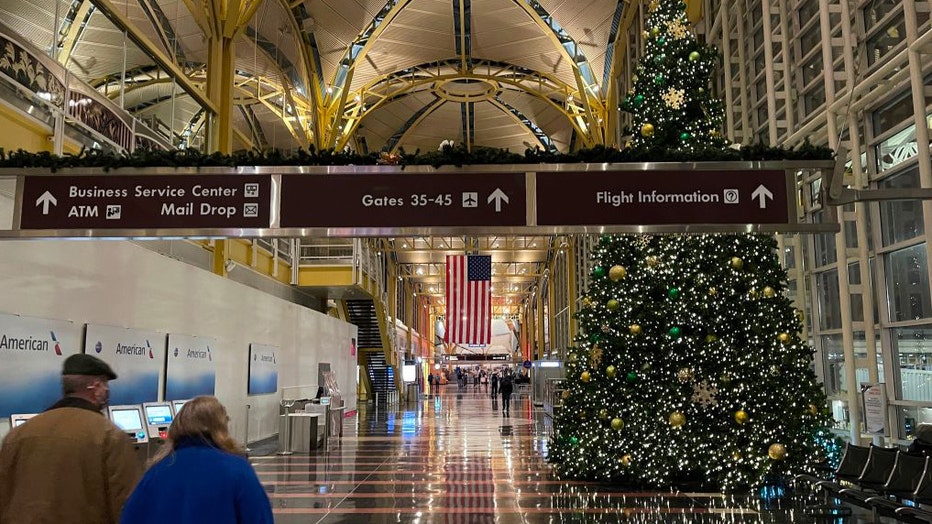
[454, 458]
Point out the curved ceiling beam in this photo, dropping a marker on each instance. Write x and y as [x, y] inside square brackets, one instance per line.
[336, 95]
[614, 59]
[590, 109]
[387, 88]
[310, 57]
[72, 27]
[546, 143]
[419, 116]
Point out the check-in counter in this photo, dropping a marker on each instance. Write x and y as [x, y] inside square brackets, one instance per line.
[305, 431]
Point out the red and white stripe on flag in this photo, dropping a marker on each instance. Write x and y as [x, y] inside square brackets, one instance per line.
[469, 299]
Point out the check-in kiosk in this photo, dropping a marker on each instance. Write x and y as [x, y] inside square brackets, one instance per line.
[159, 416]
[131, 421]
[177, 404]
[17, 420]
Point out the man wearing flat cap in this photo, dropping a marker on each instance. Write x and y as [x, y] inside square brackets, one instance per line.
[69, 464]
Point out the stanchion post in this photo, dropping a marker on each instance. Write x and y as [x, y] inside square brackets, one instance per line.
[246, 438]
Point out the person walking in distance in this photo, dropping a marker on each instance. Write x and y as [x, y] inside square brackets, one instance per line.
[494, 380]
[506, 387]
[199, 475]
[69, 464]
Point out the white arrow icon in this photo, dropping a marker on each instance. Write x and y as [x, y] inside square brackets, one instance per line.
[763, 194]
[498, 196]
[45, 200]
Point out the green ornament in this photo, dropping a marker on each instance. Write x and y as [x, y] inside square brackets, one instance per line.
[612, 305]
[594, 338]
[694, 56]
[631, 377]
[638, 100]
[675, 332]
[673, 292]
[682, 6]
[684, 136]
[661, 40]
[654, 31]
[658, 79]
[574, 440]
[659, 59]
[599, 271]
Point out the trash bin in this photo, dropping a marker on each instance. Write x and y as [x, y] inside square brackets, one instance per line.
[304, 432]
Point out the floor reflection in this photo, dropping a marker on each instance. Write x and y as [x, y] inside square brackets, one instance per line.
[454, 458]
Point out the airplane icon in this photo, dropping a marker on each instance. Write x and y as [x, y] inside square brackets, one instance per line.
[470, 199]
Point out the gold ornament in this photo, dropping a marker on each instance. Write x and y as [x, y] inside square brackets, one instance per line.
[645, 35]
[677, 419]
[711, 338]
[753, 292]
[654, 31]
[653, 5]
[813, 409]
[573, 357]
[565, 394]
[610, 371]
[684, 375]
[736, 263]
[617, 273]
[625, 460]
[585, 376]
[603, 413]
[612, 304]
[713, 291]
[776, 452]
[769, 292]
[741, 416]
[652, 261]
[586, 302]
[617, 424]
[635, 329]
[647, 130]
[783, 337]
[736, 455]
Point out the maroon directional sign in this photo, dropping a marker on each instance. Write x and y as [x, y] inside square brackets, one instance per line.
[403, 199]
[146, 202]
[662, 197]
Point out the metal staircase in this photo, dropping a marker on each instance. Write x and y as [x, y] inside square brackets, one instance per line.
[362, 314]
[381, 376]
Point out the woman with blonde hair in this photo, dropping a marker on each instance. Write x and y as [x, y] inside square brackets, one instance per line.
[199, 475]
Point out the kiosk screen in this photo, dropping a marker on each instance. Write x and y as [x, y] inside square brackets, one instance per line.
[159, 415]
[127, 419]
[178, 404]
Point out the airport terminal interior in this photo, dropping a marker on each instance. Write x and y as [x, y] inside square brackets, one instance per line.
[327, 340]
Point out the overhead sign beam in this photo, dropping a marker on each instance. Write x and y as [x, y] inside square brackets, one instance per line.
[415, 201]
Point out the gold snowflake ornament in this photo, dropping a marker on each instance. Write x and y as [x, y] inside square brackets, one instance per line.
[704, 394]
[674, 98]
[595, 357]
[677, 29]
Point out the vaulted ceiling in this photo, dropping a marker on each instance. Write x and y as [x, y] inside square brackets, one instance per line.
[372, 75]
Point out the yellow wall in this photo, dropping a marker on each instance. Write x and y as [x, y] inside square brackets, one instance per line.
[20, 132]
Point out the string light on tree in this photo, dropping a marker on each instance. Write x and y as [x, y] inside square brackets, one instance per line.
[696, 424]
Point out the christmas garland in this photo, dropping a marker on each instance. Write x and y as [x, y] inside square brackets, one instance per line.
[447, 155]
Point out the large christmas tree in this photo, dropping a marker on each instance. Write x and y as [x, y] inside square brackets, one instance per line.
[689, 366]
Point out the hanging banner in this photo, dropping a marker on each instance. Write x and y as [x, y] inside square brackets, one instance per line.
[191, 370]
[263, 369]
[136, 356]
[32, 351]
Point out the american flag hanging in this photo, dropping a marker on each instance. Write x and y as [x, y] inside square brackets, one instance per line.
[469, 299]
